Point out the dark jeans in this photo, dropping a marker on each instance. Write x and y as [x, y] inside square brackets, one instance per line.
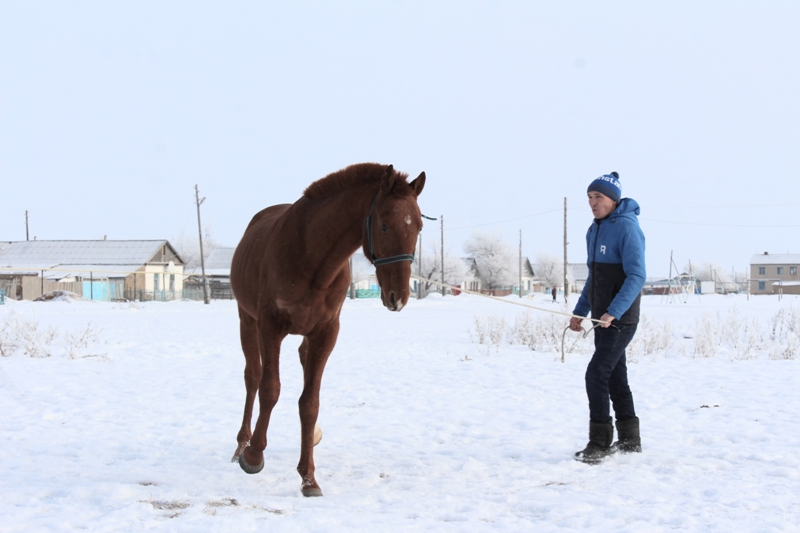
[607, 374]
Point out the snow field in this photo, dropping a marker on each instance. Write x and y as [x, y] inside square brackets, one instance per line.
[424, 429]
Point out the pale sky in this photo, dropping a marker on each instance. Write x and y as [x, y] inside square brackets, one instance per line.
[111, 112]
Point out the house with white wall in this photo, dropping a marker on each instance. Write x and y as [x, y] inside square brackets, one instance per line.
[95, 269]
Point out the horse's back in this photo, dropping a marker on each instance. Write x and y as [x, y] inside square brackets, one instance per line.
[246, 266]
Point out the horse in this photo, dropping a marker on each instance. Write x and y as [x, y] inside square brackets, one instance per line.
[290, 275]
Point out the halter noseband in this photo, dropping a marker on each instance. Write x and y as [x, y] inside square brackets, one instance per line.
[384, 260]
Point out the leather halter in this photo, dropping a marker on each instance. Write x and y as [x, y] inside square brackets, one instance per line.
[384, 260]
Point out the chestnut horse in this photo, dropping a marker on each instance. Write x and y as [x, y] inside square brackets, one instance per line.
[290, 275]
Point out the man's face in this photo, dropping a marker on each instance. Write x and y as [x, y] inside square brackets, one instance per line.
[601, 205]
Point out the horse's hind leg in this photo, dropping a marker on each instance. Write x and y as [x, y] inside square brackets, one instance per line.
[252, 376]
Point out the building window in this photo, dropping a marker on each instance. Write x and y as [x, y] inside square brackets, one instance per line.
[762, 285]
[762, 271]
[780, 271]
[793, 271]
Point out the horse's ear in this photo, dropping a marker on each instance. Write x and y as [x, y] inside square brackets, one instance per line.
[387, 180]
[418, 184]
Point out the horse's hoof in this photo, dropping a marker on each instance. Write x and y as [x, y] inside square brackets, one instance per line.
[317, 437]
[310, 492]
[250, 469]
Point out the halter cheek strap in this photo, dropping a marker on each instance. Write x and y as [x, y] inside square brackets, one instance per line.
[384, 260]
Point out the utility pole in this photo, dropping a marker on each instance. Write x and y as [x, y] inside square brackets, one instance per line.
[520, 263]
[566, 264]
[27, 233]
[200, 233]
[441, 219]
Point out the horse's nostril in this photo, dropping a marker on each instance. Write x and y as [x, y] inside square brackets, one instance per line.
[391, 299]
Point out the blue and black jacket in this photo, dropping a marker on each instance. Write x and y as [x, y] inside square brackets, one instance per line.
[615, 249]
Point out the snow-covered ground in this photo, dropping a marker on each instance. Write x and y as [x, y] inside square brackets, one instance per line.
[130, 422]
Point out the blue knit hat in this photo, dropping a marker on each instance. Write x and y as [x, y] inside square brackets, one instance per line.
[608, 185]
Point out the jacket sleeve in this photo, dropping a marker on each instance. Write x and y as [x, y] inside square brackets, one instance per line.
[633, 265]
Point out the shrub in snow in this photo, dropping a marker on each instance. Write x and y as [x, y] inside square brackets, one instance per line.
[651, 338]
[80, 341]
[488, 331]
[541, 332]
[785, 334]
[24, 336]
[705, 338]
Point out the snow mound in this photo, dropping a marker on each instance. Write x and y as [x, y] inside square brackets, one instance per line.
[60, 296]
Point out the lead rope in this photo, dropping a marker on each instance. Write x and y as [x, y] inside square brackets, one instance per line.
[563, 335]
[584, 334]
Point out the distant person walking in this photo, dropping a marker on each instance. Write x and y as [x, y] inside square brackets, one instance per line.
[554, 292]
[612, 294]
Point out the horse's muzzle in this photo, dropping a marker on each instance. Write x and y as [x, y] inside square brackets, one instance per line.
[392, 302]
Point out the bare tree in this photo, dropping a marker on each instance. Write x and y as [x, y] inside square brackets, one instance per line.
[708, 272]
[550, 269]
[189, 248]
[495, 260]
[454, 267]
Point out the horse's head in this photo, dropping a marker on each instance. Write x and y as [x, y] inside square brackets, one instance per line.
[390, 236]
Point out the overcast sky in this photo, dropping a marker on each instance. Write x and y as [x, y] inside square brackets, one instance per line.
[111, 112]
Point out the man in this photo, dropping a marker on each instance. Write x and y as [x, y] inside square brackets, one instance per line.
[615, 248]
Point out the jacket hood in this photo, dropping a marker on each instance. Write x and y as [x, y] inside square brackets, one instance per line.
[628, 207]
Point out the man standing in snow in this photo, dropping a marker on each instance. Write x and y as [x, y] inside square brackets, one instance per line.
[615, 248]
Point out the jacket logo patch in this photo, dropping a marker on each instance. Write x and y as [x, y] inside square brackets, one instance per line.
[603, 249]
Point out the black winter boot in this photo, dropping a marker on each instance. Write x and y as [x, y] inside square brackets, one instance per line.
[629, 440]
[601, 434]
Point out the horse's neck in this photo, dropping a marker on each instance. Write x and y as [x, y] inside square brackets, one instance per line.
[332, 230]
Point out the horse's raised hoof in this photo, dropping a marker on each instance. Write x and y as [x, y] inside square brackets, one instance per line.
[250, 469]
[317, 436]
[311, 492]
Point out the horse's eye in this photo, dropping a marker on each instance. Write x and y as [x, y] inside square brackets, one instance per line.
[384, 228]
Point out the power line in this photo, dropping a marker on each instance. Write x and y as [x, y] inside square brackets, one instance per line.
[747, 206]
[722, 225]
[506, 220]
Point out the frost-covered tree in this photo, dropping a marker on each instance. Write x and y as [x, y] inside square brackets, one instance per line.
[495, 261]
[454, 268]
[708, 272]
[188, 246]
[550, 269]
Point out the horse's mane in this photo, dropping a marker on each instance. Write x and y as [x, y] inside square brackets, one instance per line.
[353, 176]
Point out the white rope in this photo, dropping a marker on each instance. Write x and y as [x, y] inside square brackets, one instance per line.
[454, 288]
[584, 332]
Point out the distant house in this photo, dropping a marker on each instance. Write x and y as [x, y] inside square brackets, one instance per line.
[530, 283]
[99, 270]
[532, 280]
[577, 274]
[218, 273]
[774, 273]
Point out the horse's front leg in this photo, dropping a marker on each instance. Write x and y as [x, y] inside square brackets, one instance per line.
[269, 389]
[248, 333]
[314, 353]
